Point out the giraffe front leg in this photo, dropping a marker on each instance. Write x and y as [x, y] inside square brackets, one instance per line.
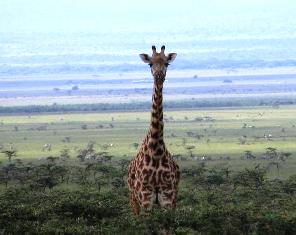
[146, 200]
[134, 203]
[167, 198]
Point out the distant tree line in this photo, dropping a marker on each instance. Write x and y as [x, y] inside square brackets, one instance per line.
[131, 106]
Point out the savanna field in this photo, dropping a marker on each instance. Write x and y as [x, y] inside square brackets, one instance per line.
[68, 174]
[219, 136]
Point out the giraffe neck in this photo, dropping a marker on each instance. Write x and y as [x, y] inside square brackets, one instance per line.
[155, 136]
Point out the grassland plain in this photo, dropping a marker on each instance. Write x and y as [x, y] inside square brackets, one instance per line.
[222, 135]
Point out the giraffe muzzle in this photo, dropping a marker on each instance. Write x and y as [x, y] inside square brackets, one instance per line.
[159, 77]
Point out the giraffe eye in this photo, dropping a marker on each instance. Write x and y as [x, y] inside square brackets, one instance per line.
[150, 65]
[167, 64]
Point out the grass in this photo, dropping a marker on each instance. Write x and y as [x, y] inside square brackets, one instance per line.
[221, 132]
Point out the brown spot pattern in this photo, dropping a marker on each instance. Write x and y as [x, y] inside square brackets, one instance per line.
[148, 175]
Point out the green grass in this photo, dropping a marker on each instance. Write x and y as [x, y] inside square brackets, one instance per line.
[220, 136]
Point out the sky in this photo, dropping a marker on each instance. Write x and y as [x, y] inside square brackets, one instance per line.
[52, 35]
[137, 15]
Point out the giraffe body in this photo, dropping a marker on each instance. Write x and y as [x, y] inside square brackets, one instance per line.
[153, 175]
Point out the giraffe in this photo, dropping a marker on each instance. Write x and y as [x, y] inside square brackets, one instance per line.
[153, 175]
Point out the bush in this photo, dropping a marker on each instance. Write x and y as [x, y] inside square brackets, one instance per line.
[210, 201]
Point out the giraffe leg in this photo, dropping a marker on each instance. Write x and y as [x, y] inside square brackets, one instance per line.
[134, 204]
[168, 198]
[146, 201]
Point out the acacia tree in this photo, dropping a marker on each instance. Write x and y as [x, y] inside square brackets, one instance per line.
[86, 153]
[90, 166]
[276, 164]
[271, 152]
[64, 154]
[7, 173]
[249, 155]
[123, 164]
[9, 154]
[277, 159]
[284, 155]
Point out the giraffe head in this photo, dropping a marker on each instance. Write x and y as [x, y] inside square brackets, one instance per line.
[158, 63]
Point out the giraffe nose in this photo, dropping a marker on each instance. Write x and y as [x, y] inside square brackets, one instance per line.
[160, 76]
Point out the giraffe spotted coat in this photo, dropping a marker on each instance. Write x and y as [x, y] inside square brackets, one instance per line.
[153, 180]
[153, 175]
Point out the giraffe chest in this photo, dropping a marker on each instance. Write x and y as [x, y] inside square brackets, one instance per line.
[154, 172]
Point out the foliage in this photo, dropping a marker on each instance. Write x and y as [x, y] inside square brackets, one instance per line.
[62, 195]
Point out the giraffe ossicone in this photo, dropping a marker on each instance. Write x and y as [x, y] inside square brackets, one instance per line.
[153, 175]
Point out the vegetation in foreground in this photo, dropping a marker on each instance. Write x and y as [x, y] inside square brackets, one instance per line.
[88, 195]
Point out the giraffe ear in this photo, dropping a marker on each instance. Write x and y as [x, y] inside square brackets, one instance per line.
[145, 58]
[171, 57]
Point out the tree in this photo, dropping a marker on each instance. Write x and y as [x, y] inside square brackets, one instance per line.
[87, 153]
[107, 158]
[9, 154]
[276, 164]
[91, 167]
[65, 153]
[251, 178]
[271, 152]
[7, 173]
[249, 155]
[284, 155]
